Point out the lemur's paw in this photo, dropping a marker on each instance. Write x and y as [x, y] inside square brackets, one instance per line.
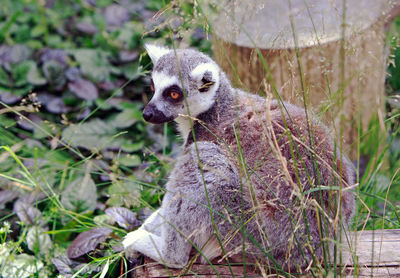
[129, 244]
[131, 253]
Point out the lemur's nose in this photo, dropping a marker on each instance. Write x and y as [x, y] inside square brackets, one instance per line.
[152, 115]
[148, 112]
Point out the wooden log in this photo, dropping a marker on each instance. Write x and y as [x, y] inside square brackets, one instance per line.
[341, 81]
[364, 254]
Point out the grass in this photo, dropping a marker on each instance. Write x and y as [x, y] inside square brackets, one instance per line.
[54, 190]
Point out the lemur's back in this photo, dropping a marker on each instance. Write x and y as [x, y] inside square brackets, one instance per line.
[281, 164]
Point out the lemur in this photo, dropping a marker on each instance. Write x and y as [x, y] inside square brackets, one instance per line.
[255, 175]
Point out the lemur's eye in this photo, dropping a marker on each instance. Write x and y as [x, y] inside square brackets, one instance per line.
[152, 86]
[174, 95]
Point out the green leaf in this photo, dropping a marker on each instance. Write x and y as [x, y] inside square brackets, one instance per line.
[103, 104]
[129, 160]
[20, 73]
[38, 241]
[21, 266]
[103, 220]
[22, 33]
[133, 71]
[123, 193]
[6, 27]
[54, 73]
[126, 118]
[34, 76]
[80, 196]
[6, 122]
[44, 129]
[95, 134]
[34, 44]
[38, 30]
[93, 63]
[4, 78]
[130, 147]
[17, 91]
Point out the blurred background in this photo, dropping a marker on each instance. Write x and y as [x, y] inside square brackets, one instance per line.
[79, 167]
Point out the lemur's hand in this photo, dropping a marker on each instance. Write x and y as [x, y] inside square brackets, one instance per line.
[129, 246]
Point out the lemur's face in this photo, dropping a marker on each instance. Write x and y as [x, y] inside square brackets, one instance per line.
[190, 84]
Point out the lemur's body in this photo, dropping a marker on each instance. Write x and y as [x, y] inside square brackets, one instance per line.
[255, 159]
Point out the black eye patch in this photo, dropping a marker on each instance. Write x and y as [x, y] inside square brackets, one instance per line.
[206, 85]
[173, 94]
[152, 86]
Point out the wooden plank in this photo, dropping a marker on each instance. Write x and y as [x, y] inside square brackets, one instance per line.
[372, 272]
[377, 255]
[373, 248]
[156, 270]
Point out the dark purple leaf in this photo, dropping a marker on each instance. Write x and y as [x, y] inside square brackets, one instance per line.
[134, 7]
[29, 124]
[83, 89]
[176, 23]
[33, 197]
[25, 124]
[83, 114]
[107, 86]
[116, 15]
[86, 27]
[117, 248]
[52, 103]
[199, 34]
[4, 54]
[63, 29]
[100, 206]
[72, 73]
[123, 216]
[62, 266]
[128, 56]
[50, 3]
[145, 213]
[7, 196]
[116, 102]
[151, 19]
[19, 53]
[87, 241]
[102, 164]
[26, 212]
[9, 98]
[90, 2]
[105, 178]
[45, 98]
[58, 55]
[57, 106]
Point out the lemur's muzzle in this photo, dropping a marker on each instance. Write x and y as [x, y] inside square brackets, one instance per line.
[152, 115]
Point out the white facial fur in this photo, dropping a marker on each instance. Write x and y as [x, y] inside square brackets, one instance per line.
[161, 82]
[199, 102]
[202, 101]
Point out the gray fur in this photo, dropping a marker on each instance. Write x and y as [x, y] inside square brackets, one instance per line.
[281, 221]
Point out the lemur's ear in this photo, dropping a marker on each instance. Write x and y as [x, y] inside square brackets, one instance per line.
[155, 52]
[207, 76]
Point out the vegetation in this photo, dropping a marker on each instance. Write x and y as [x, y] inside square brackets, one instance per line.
[79, 168]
